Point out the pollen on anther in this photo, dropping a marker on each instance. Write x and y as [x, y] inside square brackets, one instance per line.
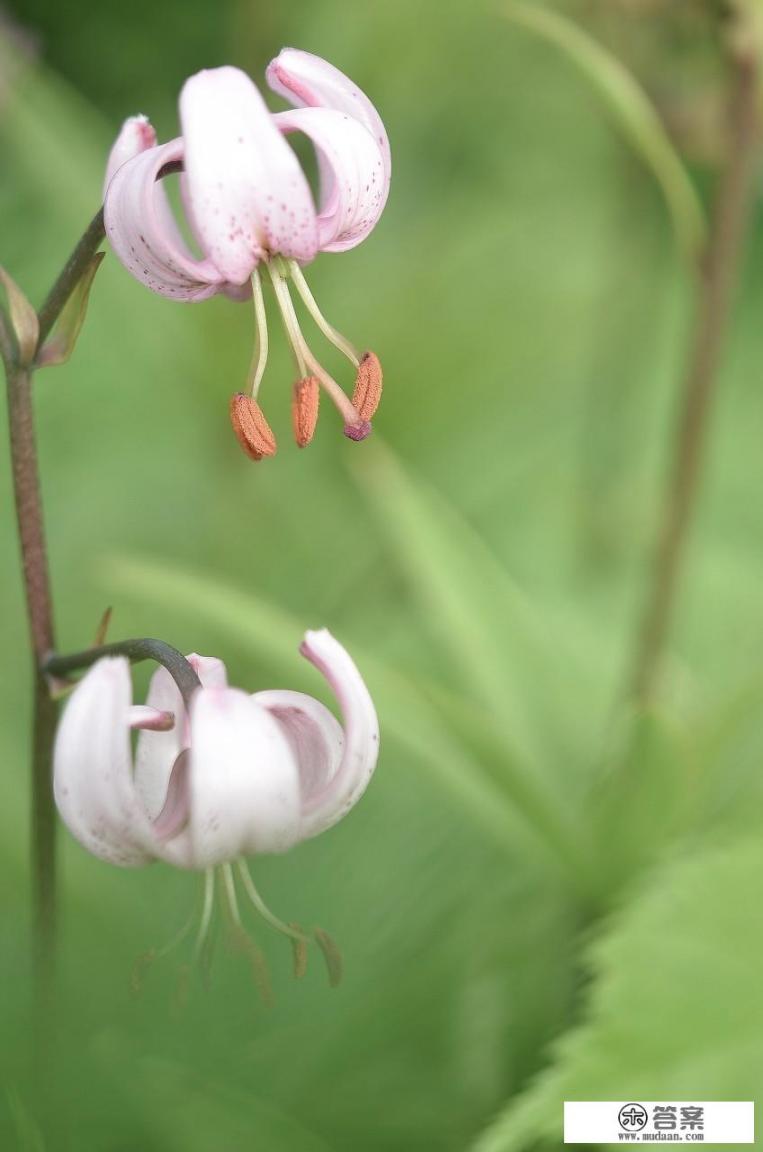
[368, 386]
[252, 429]
[304, 409]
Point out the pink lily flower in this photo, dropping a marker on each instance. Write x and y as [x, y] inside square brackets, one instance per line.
[231, 776]
[249, 208]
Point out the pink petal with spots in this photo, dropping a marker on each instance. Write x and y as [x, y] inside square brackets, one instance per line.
[246, 193]
[307, 81]
[353, 183]
[143, 233]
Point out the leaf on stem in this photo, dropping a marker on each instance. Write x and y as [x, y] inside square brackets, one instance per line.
[24, 320]
[60, 344]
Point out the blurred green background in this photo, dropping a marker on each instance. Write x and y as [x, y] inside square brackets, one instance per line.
[543, 895]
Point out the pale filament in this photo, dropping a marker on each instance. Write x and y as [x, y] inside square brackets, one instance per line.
[260, 355]
[303, 353]
[206, 912]
[263, 909]
[290, 323]
[329, 331]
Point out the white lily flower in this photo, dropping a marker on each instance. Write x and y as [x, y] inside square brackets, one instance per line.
[233, 775]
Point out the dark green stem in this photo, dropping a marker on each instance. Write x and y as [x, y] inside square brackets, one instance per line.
[135, 651]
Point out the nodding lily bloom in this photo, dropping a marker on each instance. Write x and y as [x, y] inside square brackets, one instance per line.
[229, 776]
[249, 208]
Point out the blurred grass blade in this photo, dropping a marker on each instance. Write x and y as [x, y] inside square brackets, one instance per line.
[471, 607]
[460, 589]
[406, 715]
[633, 111]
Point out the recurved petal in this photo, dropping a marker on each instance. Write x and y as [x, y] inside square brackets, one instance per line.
[143, 233]
[328, 804]
[246, 192]
[315, 736]
[136, 135]
[156, 752]
[310, 82]
[244, 783]
[92, 769]
[354, 185]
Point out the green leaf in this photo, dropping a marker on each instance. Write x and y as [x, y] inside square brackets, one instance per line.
[632, 110]
[675, 1010]
[24, 320]
[60, 344]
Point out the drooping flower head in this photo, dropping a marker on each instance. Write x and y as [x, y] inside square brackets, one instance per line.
[249, 208]
[216, 778]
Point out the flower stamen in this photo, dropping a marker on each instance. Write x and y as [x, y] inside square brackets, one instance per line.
[356, 428]
[253, 432]
[241, 940]
[260, 354]
[150, 719]
[333, 335]
[304, 410]
[299, 937]
[206, 914]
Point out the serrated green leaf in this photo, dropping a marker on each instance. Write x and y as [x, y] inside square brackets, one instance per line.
[675, 1009]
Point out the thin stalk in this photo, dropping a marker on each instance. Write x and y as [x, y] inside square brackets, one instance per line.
[31, 530]
[144, 648]
[260, 356]
[332, 334]
[26, 490]
[305, 358]
[262, 908]
[718, 276]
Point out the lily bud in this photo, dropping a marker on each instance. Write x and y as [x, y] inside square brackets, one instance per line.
[368, 386]
[252, 429]
[304, 409]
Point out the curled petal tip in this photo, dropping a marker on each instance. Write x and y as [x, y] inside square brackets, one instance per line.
[368, 386]
[251, 428]
[304, 409]
[333, 798]
[359, 431]
[136, 135]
